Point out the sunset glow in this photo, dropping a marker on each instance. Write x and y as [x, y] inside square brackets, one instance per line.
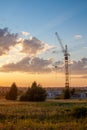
[29, 50]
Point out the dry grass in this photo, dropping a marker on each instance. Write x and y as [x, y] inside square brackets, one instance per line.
[49, 115]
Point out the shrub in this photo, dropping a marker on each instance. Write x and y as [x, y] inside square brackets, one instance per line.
[79, 112]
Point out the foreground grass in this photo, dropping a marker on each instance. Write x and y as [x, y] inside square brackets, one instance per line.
[49, 115]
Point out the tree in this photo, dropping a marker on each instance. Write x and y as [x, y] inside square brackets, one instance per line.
[25, 96]
[35, 93]
[12, 94]
[72, 91]
[66, 93]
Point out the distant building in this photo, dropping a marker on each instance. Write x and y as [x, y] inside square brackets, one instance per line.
[53, 92]
[80, 95]
[83, 95]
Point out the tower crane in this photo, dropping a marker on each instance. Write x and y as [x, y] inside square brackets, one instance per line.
[66, 55]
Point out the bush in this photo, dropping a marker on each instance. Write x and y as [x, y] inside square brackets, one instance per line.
[35, 93]
[12, 94]
[79, 112]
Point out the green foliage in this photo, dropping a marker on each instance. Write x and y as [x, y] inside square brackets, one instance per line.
[35, 93]
[79, 112]
[12, 94]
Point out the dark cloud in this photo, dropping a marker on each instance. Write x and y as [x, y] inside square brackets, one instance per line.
[35, 65]
[76, 67]
[7, 40]
[79, 67]
[39, 65]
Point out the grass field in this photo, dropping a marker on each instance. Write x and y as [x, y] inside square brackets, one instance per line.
[49, 115]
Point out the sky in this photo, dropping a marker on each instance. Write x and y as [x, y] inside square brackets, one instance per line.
[29, 49]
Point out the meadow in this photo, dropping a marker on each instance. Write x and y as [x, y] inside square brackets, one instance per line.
[49, 115]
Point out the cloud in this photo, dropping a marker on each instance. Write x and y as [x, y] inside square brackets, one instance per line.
[85, 77]
[7, 40]
[75, 67]
[20, 51]
[78, 36]
[40, 65]
[85, 47]
[29, 65]
[78, 76]
[59, 66]
[79, 67]
[25, 33]
[34, 46]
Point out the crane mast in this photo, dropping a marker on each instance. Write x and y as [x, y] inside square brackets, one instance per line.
[66, 55]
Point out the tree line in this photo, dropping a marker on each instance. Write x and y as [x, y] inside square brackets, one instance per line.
[34, 93]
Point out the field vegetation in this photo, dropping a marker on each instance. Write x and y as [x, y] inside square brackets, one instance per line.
[48, 115]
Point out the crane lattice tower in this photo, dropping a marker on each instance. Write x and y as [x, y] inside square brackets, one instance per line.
[66, 57]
